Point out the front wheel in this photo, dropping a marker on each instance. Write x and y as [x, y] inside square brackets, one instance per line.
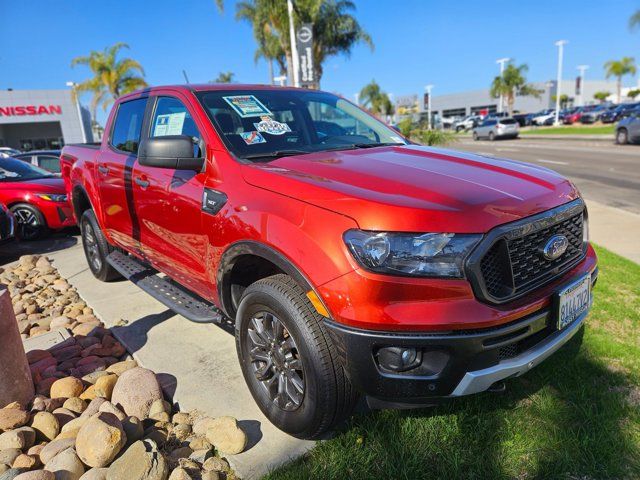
[288, 360]
[492, 136]
[30, 222]
[622, 137]
[475, 136]
[96, 248]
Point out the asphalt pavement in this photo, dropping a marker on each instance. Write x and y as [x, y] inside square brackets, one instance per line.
[604, 172]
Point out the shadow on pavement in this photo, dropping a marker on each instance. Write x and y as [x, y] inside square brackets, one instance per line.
[56, 241]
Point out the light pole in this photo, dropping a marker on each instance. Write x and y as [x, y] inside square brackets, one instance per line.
[582, 69]
[427, 89]
[560, 44]
[294, 47]
[74, 90]
[501, 62]
[357, 97]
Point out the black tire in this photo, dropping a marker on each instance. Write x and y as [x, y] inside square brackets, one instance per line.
[96, 248]
[492, 136]
[31, 224]
[475, 136]
[622, 136]
[326, 397]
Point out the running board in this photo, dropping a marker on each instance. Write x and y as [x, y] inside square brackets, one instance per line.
[175, 297]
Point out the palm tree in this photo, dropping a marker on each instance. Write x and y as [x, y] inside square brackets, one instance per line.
[111, 77]
[618, 69]
[335, 29]
[224, 77]
[601, 96]
[512, 82]
[375, 100]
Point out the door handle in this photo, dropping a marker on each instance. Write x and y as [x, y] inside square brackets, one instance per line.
[103, 170]
[141, 182]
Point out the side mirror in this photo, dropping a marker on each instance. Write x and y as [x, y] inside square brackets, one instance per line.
[171, 151]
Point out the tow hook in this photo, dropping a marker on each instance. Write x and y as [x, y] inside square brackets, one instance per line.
[498, 387]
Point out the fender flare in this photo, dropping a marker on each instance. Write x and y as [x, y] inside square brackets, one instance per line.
[252, 247]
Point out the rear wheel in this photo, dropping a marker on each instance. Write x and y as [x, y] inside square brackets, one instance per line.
[30, 221]
[475, 136]
[288, 360]
[96, 248]
[622, 136]
[492, 136]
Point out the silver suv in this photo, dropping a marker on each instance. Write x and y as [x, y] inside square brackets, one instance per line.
[628, 129]
[493, 128]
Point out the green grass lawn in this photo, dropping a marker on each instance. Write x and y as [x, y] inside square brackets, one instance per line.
[571, 130]
[576, 416]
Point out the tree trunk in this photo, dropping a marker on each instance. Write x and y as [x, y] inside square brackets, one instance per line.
[270, 62]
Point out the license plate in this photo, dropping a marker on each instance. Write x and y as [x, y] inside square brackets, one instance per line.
[573, 301]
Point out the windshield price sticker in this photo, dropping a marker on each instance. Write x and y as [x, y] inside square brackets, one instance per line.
[252, 138]
[271, 126]
[247, 106]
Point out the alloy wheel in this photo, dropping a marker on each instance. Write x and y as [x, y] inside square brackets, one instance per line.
[275, 360]
[91, 246]
[28, 224]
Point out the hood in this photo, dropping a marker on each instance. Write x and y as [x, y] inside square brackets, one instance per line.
[415, 189]
[41, 185]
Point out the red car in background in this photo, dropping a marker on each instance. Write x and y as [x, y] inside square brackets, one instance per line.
[36, 197]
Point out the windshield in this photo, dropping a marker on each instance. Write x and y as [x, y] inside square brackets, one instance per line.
[266, 124]
[13, 170]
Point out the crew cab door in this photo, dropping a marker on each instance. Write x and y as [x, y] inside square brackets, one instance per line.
[113, 174]
[169, 202]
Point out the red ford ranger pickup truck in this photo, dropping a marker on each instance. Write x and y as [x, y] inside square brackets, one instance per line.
[350, 260]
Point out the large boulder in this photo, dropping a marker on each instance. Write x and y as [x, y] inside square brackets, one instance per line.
[135, 391]
[141, 461]
[100, 439]
[66, 465]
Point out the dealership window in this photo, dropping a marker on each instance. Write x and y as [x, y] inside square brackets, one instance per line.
[125, 135]
[454, 112]
[484, 109]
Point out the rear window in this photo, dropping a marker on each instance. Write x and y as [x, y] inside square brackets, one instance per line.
[508, 121]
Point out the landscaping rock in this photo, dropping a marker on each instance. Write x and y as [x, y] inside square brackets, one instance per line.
[46, 425]
[75, 404]
[66, 465]
[93, 407]
[100, 439]
[9, 455]
[141, 461]
[52, 449]
[216, 464]
[133, 429]
[68, 387]
[226, 436]
[95, 474]
[181, 418]
[120, 367]
[11, 474]
[28, 462]
[11, 418]
[104, 385]
[12, 439]
[63, 415]
[180, 474]
[36, 475]
[29, 435]
[135, 391]
[109, 407]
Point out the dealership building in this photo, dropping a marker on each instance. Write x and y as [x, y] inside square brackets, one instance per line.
[42, 119]
[481, 101]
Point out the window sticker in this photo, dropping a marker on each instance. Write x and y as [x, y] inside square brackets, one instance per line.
[247, 106]
[169, 124]
[252, 138]
[271, 126]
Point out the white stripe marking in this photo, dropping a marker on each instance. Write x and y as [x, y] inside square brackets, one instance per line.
[553, 162]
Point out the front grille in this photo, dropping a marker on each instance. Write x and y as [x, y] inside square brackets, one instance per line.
[511, 262]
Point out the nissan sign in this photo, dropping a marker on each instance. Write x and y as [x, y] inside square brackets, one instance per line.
[304, 38]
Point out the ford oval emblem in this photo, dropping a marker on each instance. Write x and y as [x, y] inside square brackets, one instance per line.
[555, 247]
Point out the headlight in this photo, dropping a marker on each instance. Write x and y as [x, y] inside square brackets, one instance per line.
[52, 197]
[417, 255]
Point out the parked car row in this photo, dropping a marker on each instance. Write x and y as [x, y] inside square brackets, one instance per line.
[35, 197]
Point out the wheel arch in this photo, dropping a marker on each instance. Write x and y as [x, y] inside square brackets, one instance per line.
[247, 261]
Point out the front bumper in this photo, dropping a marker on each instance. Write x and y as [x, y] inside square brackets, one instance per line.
[454, 363]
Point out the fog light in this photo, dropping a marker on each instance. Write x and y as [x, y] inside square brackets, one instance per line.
[398, 359]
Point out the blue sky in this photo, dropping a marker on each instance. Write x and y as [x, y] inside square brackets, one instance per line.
[452, 45]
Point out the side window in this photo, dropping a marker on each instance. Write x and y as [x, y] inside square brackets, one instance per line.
[172, 118]
[125, 135]
[49, 162]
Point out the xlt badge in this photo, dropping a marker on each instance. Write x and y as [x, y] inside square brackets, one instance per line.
[213, 201]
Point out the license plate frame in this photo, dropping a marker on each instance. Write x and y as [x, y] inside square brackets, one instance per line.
[572, 301]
